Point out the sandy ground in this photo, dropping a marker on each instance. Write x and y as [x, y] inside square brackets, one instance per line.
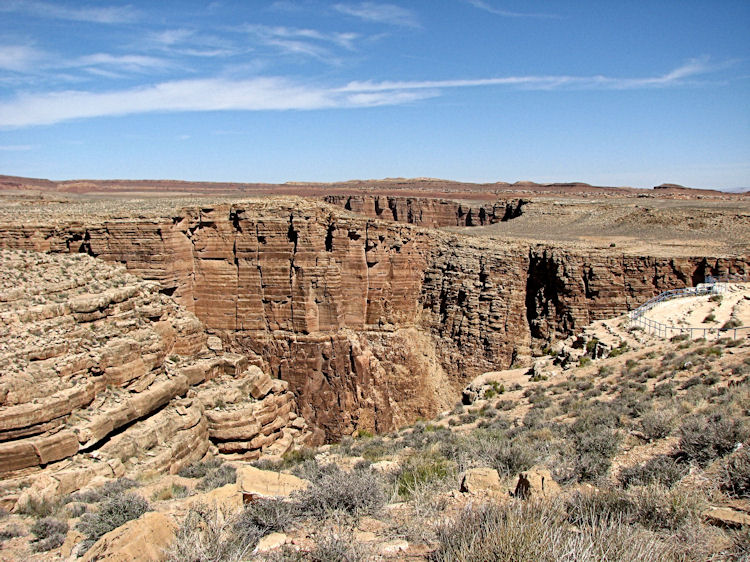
[702, 312]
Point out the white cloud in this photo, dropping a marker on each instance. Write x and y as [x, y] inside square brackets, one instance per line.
[16, 147]
[693, 67]
[94, 14]
[131, 63]
[379, 13]
[271, 93]
[19, 58]
[482, 5]
[301, 41]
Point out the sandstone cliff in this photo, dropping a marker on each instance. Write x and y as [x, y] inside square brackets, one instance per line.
[372, 323]
[103, 375]
[429, 212]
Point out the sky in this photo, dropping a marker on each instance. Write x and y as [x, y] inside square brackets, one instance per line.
[609, 92]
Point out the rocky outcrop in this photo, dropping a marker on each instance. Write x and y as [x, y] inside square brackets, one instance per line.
[429, 212]
[105, 376]
[372, 323]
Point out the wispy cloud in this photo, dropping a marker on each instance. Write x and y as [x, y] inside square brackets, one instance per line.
[273, 93]
[482, 5]
[301, 41]
[16, 147]
[94, 14]
[691, 68]
[380, 13]
[19, 58]
[29, 61]
[188, 42]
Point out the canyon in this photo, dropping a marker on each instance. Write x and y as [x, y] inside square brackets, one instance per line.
[372, 323]
[142, 332]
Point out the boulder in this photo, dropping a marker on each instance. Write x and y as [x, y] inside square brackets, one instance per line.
[726, 517]
[536, 482]
[479, 481]
[254, 482]
[270, 542]
[227, 496]
[143, 539]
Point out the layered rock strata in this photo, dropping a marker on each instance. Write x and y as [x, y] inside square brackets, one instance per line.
[103, 375]
[429, 212]
[372, 323]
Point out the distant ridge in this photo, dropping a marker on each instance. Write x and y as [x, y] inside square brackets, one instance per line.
[421, 186]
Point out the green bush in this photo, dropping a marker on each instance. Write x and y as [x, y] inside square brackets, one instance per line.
[419, 469]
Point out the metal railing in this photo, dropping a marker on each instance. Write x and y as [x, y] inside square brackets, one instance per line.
[712, 286]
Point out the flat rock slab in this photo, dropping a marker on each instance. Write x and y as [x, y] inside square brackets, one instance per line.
[254, 482]
[143, 539]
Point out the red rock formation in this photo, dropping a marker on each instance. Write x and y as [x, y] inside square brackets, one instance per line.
[429, 212]
[103, 375]
[372, 323]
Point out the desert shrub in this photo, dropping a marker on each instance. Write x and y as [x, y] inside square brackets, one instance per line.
[735, 479]
[668, 510]
[217, 477]
[208, 533]
[531, 531]
[420, 469]
[11, 532]
[692, 381]
[663, 390]
[50, 533]
[358, 492]
[199, 469]
[710, 379]
[108, 490]
[264, 516]
[651, 507]
[514, 456]
[505, 405]
[468, 417]
[731, 324]
[594, 452]
[705, 438]
[336, 547]
[112, 513]
[76, 509]
[661, 469]
[39, 508]
[170, 492]
[657, 424]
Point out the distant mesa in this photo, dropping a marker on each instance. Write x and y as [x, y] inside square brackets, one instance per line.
[671, 186]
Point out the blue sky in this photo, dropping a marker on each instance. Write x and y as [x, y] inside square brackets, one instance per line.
[608, 92]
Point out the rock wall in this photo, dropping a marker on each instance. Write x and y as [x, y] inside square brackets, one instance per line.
[372, 323]
[102, 375]
[428, 212]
